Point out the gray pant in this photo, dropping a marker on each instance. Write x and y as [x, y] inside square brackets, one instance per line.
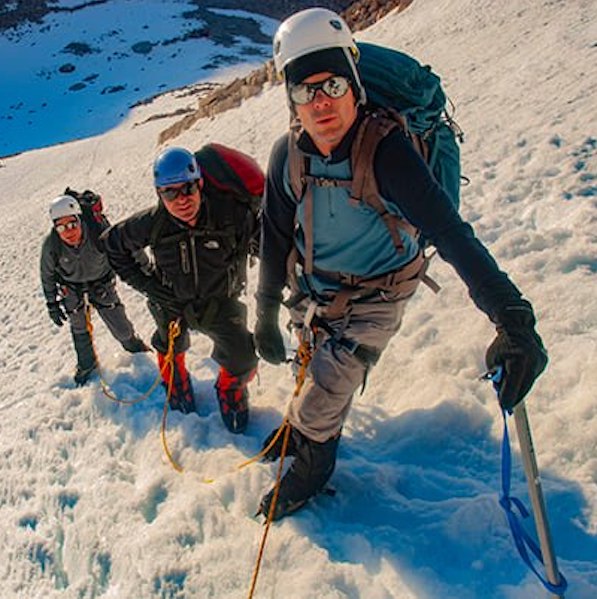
[104, 298]
[334, 373]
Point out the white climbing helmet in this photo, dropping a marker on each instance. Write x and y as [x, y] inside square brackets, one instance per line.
[310, 31]
[64, 206]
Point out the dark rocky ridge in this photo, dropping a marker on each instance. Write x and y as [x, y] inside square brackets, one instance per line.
[33, 11]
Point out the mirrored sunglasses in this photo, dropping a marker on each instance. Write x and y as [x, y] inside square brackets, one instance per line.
[169, 194]
[69, 226]
[334, 87]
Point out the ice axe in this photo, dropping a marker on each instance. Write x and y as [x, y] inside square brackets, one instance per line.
[554, 581]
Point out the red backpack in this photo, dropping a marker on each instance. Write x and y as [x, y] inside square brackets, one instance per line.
[232, 171]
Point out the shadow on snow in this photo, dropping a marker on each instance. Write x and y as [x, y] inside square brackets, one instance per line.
[421, 491]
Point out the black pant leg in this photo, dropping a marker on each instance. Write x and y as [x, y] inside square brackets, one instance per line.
[233, 343]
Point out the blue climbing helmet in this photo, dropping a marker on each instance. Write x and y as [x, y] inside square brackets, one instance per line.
[175, 165]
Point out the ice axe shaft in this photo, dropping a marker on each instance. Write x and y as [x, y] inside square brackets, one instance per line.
[531, 471]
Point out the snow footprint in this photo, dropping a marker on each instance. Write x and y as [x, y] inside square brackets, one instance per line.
[170, 585]
[156, 496]
[584, 160]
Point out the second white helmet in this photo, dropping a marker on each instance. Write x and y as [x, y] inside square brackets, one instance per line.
[64, 206]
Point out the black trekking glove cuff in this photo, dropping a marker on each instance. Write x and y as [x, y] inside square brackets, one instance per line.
[519, 350]
[515, 315]
[57, 313]
[268, 338]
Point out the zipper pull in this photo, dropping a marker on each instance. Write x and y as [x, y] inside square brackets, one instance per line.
[184, 257]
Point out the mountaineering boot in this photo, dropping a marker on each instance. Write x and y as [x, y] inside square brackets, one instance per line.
[182, 398]
[86, 362]
[135, 345]
[311, 469]
[82, 375]
[233, 397]
[275, 451]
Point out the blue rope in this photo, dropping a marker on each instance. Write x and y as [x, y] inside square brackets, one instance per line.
[522, 539]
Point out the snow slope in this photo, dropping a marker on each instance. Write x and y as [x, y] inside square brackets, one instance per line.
[90, 505]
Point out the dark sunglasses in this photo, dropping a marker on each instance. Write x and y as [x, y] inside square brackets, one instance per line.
[334, 87]
[69, 226]
[171, 193]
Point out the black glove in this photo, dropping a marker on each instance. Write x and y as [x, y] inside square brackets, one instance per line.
[519, 350]
[164, 296]
[157, 293]
[57, 313]
[267, 335]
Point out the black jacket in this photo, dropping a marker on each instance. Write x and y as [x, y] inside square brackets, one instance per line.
[208, 260]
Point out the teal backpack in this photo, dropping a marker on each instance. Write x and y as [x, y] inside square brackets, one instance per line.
[394, 80]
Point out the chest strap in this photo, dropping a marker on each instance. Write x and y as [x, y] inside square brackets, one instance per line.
[363, 186]
[398, 284]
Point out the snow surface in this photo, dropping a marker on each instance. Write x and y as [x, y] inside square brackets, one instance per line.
[90, 506]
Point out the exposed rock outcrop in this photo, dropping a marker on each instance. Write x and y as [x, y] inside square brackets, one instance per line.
[359, 15]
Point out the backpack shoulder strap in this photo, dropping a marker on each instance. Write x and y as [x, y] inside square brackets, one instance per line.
[159, 217]
[297, 163]
[375, 127]
[301, 184]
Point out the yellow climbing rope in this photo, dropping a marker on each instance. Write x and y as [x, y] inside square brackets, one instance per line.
[103, 384]
[304, 353]
[173, 332]
[271, 511]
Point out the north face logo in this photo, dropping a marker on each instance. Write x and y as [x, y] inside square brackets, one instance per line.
[212, 244]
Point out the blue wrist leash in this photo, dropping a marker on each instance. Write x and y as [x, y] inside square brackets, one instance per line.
[521, 537]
